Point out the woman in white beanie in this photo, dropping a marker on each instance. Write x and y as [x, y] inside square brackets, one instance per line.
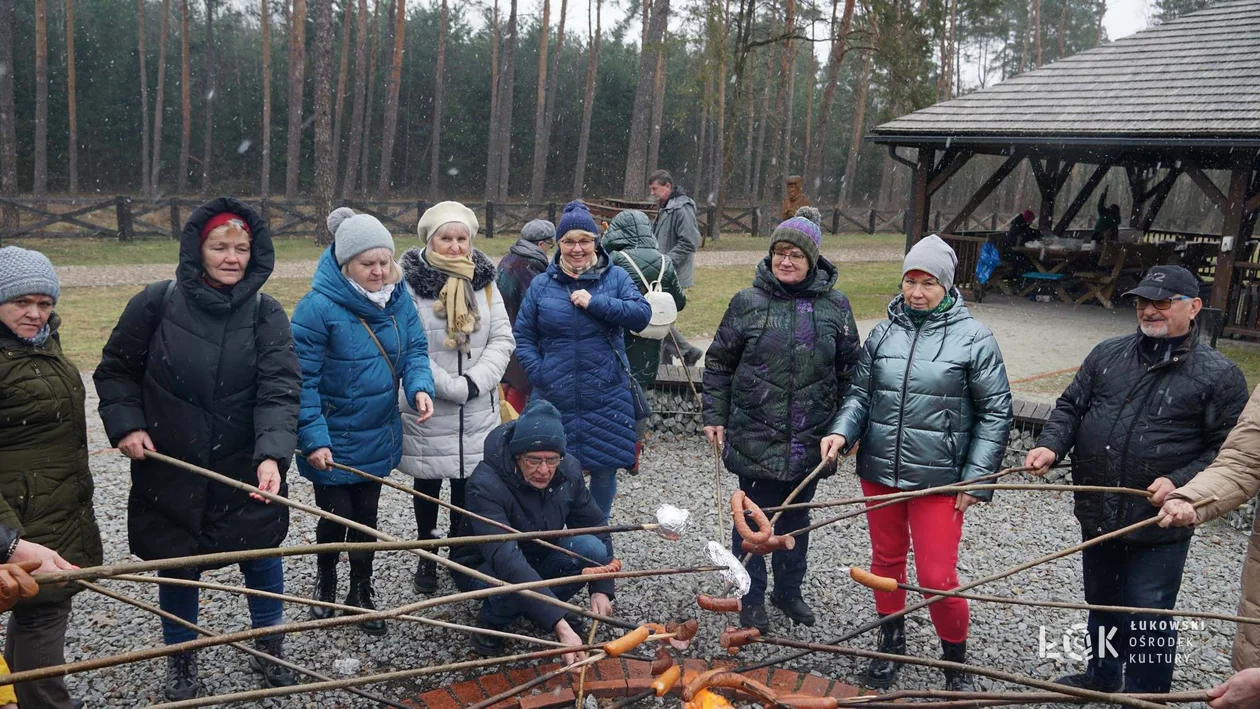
[470, 343]
[358, 338]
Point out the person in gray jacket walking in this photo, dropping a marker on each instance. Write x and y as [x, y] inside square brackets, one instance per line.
[678, 237]
[931, 404]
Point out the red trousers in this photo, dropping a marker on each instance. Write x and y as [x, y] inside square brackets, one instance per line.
[935, 528]
[515, 397]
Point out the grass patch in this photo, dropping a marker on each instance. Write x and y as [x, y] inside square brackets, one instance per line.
[830, 242]
[869, 286]
[1247, 359]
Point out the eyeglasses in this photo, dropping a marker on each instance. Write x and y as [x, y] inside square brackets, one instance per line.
[1140, 303]
[796, 256]
[535, 461]
[582, 244]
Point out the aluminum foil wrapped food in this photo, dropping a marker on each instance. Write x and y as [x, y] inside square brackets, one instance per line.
[734, 574]
[671, 521]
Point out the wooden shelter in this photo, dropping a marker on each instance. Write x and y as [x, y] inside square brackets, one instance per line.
[1179, 99]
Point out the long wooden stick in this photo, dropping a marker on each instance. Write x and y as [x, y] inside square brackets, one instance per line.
[871, 625]
[892, 698]
[967, 487]
[285, 598]
[456, 508]
[541, 679]
[232, 557]
[1108, 697]
[266, 657]
[900, 494]
[377, 534]
[155, 652]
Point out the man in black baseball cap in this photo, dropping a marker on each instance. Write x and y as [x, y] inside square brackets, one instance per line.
[1148, 411]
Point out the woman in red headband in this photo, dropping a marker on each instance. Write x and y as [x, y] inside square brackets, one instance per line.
[203, 368]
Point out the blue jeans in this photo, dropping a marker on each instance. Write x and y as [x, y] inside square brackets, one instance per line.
[1121, 574]
[604, 489]
[503, 610]
[260, 574]
[788, 566]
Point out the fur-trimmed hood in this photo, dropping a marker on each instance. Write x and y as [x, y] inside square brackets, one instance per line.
[426, 281]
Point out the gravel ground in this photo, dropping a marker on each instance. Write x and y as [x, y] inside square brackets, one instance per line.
[74, 276]
[1017, 527]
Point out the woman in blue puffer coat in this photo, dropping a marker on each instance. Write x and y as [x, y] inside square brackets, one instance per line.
[569, 339]
[358, 337]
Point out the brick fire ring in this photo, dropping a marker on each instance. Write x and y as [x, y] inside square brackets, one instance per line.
[607, 679]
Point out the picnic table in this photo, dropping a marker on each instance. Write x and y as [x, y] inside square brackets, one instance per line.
[1099, 270]
[1052, 266]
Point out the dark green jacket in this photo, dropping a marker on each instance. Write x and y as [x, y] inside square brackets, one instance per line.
[931, 405]
[777, 371]
[629, 240]
[45, 483]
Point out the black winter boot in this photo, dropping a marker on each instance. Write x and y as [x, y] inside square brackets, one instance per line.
[360, 596]
[273, 675]
[325, 589]
[181, 676]
[880, 674]
[796, 609]
[754, 615]
[425, 580]
[956, 680]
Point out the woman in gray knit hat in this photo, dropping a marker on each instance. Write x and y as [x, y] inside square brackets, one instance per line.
[45, 483]
[931, 405]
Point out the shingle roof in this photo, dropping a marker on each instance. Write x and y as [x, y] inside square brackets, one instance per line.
[1196, 76]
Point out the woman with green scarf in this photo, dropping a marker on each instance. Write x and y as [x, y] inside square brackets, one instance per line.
[470, 343]
[931, 405]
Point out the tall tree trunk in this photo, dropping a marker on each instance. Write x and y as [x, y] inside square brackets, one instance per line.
[265, 15]
[325, 178]
[390, 127]
[8, 128]
[343, 76]
[439, 99]
[588, 101]
[507, 79]
[297, 83]
[1036, 20]
[779, 145]
[72, 104]
[635, 183]
[1102, 12]
[366, 148]
[758, 186]
[185, 96]
[538, 172]
[860, 89]
[839, 47]
[493, 159]
[717, 185]
[542, 138]
[40, 186]
[210, 59]
[159, 106]
[752, 129]
[658, 112]
[704, 130]
[141, 31]
[1063, 16]
[360, 89]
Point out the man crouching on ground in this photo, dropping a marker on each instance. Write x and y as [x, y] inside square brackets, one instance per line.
[526, 482]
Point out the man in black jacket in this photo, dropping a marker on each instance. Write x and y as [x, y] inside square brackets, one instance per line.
[1147, 410]
[526, 482]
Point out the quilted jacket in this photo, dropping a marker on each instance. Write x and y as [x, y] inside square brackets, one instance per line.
[575, 357]
[777, 371]
[931, 404]
[349, 395]
[523, 262]
[1128, 420]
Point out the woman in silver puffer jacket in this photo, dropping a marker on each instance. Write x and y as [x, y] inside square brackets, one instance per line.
[931, 404]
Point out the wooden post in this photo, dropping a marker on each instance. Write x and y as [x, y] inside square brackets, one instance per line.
[713, 217]
[122, 210]
[551, 212]
[756, 220]
[917, 214]
[1231, 229]
[176, 226]
[489, 220]
[835, 220]
[993, 220]
[871, 220]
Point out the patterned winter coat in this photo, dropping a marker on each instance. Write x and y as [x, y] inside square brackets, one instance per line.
[516, 271]
[931, 404]
[575, 357]
[450, 444]
[349, 394]
[777, 371]
[630, 244]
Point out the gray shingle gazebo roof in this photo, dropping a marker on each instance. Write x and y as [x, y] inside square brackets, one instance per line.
[1194, 82]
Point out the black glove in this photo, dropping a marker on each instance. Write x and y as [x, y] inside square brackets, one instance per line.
[473, 391]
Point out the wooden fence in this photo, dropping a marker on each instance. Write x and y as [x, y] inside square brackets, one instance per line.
[123, 217]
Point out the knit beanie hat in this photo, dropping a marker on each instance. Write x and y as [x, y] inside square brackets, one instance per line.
[801, 233]
[934, 257]
[26, 272]
[538, 230]
[355, 233]
[576, 217]
[539, 428]
[445, 213]
[810, 213]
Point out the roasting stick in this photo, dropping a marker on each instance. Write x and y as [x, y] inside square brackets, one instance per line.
[891, 699]
[455, 508]
[871, 625]
[239, 646]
